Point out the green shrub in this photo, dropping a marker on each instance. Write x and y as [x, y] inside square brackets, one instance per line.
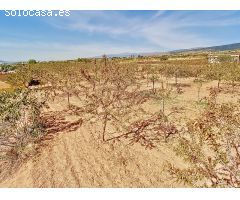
[6, 68]
[32, 61]
[20, 126]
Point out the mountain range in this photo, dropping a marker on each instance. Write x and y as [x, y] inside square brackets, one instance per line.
[227, 47]
[6, 62]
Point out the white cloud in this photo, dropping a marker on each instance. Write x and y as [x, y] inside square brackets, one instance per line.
[157, 32]
[165, 31]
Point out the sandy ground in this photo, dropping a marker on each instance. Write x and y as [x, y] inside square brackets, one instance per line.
[4, 85]
[76, 159]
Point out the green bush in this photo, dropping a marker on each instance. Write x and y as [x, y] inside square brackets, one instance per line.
[20, 127]
[6, 68]
[32, 61]
[164, 57]
[84, 60]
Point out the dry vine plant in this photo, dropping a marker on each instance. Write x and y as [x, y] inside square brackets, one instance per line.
[211, 146]
[149, 132]
[20, 126]
[110, 96]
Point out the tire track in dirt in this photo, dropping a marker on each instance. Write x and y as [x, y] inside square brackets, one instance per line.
[88, 164]
[44, 168]
[70, 165]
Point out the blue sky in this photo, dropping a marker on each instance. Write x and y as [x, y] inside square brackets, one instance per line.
[93, 33]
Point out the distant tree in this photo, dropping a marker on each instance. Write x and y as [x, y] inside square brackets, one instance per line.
[32, 61]
[164, 57]
[84, 60]
[216, 71]
[232, 74]
[104, 57]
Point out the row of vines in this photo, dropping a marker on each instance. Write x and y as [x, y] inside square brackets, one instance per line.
[114, 94]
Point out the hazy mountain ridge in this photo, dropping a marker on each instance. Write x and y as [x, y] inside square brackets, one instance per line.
[226, 47]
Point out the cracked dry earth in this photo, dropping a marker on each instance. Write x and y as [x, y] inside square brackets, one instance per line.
[75, 159]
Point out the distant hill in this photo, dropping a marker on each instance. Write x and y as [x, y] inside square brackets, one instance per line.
[6, 62]
[227, 47]
[121, 55]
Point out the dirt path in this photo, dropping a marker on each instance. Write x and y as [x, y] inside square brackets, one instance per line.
[74, 159]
